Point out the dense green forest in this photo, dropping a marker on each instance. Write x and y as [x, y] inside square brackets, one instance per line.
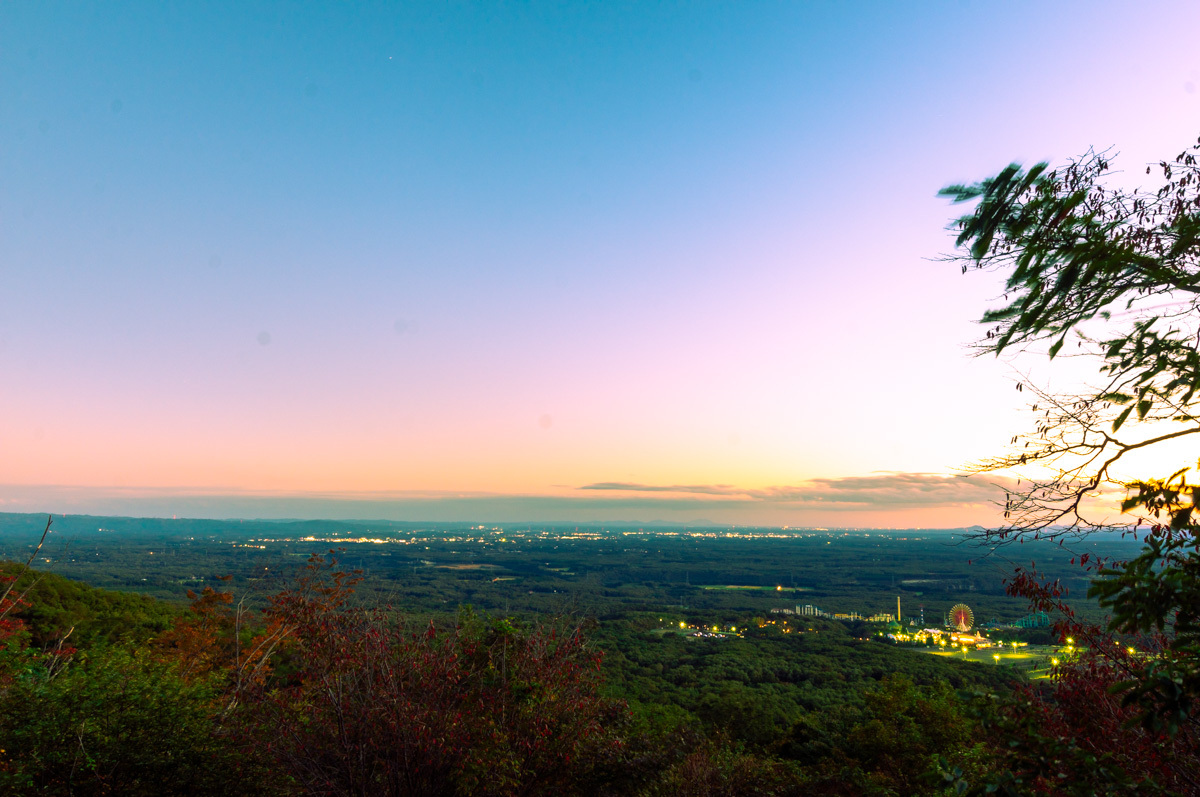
[592, 570]
[209, 638]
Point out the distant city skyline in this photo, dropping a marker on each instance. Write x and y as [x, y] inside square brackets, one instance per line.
[576, 262]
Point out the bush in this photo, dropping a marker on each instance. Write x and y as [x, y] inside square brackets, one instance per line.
[117, 723]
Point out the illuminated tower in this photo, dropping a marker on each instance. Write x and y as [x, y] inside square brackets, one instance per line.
[897, 608]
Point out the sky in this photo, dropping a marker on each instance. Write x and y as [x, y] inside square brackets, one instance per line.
[545, 261]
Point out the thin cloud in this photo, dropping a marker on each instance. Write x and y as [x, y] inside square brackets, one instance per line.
[877, 491]
[702, 489]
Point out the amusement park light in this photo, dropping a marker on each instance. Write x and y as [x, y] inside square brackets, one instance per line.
[962, 618]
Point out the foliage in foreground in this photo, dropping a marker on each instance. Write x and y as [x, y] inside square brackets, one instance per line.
[118, 722]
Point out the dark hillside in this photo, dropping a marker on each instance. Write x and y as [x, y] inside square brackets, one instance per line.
[58, 606]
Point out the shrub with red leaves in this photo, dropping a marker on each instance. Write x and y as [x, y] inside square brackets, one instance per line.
[1106, 723]
[372, 706]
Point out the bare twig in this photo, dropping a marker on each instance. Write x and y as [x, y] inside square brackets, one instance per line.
[5, 605]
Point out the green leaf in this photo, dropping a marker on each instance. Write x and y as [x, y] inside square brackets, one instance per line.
[1056, 346]
[1182, 518]
[1121, 418]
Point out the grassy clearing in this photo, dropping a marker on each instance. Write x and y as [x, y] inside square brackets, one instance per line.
[1034, 660]
[784, 591]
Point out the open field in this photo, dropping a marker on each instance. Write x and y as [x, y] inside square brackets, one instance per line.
[756, 587]
[1035, 659]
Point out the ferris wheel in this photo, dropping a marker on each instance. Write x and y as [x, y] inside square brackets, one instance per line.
[961, 617]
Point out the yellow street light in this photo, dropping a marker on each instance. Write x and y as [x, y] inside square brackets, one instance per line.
[996, 656]
[1054, 662]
